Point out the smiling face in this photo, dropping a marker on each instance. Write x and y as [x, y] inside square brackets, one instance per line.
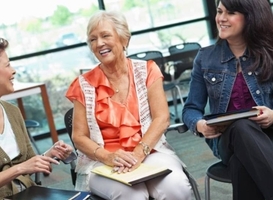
[105, 43]
[230, 24]
[6, 74]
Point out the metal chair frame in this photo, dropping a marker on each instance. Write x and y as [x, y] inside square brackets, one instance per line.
[169, 83]
[218, 172]
[184, 62]
[32, 124]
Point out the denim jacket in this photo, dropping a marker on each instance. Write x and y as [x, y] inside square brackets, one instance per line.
[212, 80]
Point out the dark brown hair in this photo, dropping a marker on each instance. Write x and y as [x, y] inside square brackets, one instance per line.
[258, 32]
[3, 44]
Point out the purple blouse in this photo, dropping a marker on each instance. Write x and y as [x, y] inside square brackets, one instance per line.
[240, 95]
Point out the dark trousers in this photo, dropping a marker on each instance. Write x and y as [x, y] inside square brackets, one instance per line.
[247, 150]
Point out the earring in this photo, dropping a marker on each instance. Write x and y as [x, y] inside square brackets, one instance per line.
[125, 49]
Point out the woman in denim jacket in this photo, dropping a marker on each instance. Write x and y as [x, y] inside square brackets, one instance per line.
[236, 73]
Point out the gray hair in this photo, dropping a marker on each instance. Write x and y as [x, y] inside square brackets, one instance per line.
[119, 23]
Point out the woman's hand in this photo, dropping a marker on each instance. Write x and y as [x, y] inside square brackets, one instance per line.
[121, 160]
[209, 131]
[37, 163]
[59, 150]
[265, 119]
[138, 156]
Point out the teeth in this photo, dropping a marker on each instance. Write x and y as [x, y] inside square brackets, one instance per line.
[105, 51]
[223, 26]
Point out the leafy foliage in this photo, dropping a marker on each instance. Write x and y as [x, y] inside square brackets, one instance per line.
[61, 16]
[87, 12]
[33, 25]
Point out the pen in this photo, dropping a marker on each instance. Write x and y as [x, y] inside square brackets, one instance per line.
[87, 196]
[74, 197]
[115, 169]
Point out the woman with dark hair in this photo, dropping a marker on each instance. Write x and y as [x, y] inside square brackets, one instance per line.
[17, 158]
[236, 73]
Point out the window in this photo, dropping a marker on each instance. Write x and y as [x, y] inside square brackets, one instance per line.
[162, 39]
[43, 25]
[153, 13]
[57, 70]
[49, 28]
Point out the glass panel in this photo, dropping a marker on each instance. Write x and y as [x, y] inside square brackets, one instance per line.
[152, 13]
[161, 40]
[57, 71]
[63, 22]
[41, 25]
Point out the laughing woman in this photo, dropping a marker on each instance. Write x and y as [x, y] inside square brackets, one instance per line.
[17, 158]
[120, 115]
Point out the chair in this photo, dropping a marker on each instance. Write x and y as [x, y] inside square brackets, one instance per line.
[37, 178]
[32, 124]
[183, 56]
[70, 160]
[68, 124]
[68, 117]
[218, 172]
[168, 84]
[180, 128]
[187, 46]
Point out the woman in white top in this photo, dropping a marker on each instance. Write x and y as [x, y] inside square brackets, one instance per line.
[17, 158]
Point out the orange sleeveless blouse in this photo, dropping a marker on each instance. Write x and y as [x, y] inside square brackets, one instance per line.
[119, 123]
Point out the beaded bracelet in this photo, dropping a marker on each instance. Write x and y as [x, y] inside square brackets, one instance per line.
[95, 152]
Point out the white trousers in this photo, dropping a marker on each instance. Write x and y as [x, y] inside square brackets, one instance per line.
[174, 186]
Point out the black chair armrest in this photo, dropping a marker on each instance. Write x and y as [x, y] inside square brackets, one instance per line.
[37, 178]
[180, 127]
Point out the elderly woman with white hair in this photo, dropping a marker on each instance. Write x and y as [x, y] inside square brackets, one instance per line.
[120, 116]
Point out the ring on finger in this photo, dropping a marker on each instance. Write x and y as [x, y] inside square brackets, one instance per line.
[116, 159]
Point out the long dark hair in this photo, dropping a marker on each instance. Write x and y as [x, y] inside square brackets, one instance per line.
[258, 32]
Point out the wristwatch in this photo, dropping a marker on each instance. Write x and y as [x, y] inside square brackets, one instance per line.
[196, 133]
[146, 148]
